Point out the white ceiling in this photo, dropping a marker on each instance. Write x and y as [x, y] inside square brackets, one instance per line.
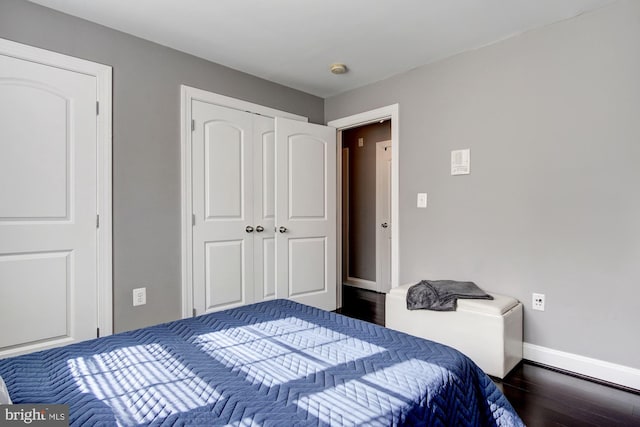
[293, 42]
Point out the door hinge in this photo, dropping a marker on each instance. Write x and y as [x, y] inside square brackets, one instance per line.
[97, 108]
[194, 312]
[193, 219]
[97, 221]
[193, 125]
[97, 332]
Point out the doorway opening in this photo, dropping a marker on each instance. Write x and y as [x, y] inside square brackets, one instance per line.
[387, 116]
[366, 206]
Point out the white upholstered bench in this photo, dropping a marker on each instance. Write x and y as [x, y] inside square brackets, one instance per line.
[488, 331]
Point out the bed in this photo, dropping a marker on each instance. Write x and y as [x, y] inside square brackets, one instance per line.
[275, 363]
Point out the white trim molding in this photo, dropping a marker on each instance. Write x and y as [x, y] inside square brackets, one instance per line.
[361, 283]
[103, 75]
[594, 368]
[389, 112]
[195, 94]
[187, 96]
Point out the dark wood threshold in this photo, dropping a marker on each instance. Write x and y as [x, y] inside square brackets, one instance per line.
[363, 304]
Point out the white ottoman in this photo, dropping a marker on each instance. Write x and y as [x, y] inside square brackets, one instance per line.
[488, 331]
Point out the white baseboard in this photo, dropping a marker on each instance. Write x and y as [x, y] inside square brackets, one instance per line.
[361, 283]
[606, 371]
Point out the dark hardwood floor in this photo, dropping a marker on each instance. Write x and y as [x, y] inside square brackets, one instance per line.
[541, 396]
[363, 305]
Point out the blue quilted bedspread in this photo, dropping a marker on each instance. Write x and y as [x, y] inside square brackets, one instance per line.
[276, 363]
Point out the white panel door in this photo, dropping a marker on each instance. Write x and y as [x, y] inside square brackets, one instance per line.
[222, 194]
[383, 216]
[48, 280]
[306, 213]
[264, 210]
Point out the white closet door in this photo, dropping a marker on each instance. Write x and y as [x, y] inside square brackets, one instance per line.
[48, 279]
[264, 208]
[223, 203]
[306, 213]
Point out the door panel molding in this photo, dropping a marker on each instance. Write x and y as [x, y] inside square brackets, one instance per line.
[40, 192]
[303, 261]
[307, 165]
[223, 170]
[48, 306]
[224, 290]
[103, 77]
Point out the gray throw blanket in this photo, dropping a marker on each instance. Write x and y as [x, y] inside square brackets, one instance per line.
[442, 295]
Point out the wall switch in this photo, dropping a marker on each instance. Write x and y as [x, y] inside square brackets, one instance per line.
[139, 296]
[422, 200]
[360, 142]
[537, 302]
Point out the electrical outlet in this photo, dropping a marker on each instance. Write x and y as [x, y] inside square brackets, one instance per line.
[139, 296]
[537, 302]
[422, 200]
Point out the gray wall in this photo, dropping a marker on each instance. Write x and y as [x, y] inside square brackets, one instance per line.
[552, 204]
[362, 197]
[146, 143]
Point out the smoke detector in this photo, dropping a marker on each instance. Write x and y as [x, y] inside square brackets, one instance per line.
[338, 68]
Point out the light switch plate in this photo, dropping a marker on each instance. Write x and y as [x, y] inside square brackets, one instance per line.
[422, 200]
[139, 296]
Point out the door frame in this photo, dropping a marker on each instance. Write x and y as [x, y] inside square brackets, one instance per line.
[189, 94]
[383, 113]
[104, 243]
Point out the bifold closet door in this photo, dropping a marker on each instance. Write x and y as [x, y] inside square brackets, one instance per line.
[264, 209]
[223, 204]
[306, 213]
[48, 193]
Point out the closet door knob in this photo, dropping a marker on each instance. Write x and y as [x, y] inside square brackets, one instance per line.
[259, 229]
[249, 229]
[282, 229]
